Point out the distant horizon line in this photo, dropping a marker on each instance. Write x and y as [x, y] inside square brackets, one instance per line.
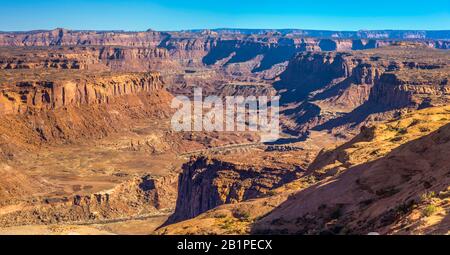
[227, 28]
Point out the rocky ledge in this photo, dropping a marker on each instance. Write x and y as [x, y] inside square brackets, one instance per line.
[54, 90]
[206, 183]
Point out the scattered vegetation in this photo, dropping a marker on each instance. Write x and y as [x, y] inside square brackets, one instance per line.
[414, 122]
[243, 215]
[402, 131]
[271, 193]
[444, 194]
[396, 139]
[429, 210]
[337, 213]
[227, 224]
[387, 192]
[220, 216]
[426, 197]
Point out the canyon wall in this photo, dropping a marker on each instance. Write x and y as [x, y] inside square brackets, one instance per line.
[332, 89]
[206, 183]
[387, 195]
[360, 34]
[64, 107]
[64, 37]
[341, 88]
[151, 50]
[50, 95]
[137, 197]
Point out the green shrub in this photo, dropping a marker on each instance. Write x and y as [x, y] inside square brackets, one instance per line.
[444, 194]
[227, 224]
[271, 193]
[220, 216]
[414, 122]
[402, 131]
[429, 210]
[427, 196]
[243, 215]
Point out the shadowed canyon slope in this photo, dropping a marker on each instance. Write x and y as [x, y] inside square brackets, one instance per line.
[85, 135]
[346, 89]
[387, 195]
[386, 179]
[58, 116]
[349, 90]
[58, 107]
[260, 51]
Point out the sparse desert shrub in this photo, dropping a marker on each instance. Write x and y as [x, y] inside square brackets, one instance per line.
[243, 215]
[375, 152]
[220, 216]
[271, 193]
[406, 207]
[402, 131]
[391, 128]
[337, 213]
[414, 122]
[444, 194]
[429, 210]
[397, 139]
[310, 179]
[387, 192]
[427, 196]
[227, 224]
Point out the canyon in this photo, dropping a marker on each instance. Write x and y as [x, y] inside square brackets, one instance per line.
[86, 144]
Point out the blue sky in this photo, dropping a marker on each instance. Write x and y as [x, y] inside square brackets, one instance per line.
[194, 14]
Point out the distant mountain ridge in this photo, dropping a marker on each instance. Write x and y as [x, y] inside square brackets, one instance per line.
[360, 34]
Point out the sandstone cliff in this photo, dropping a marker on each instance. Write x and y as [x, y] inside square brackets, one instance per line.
[360, 34]
[142, 51]
[376, 141]
[64, 37]
[388, 195]
[138, 197]
[341, 89]
[63, 107]
[368, 184]
[52, 92]
[17, 186]
[235, 55]
[206, 183]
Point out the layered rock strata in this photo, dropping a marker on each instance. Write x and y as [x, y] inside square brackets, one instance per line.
[206, 183]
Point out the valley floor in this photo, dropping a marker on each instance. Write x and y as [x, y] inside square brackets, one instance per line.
[126, 227]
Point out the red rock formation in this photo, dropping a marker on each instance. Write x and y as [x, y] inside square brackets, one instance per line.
[348, 87]
[64, 37]
[370, 197]
[58, 109]
[138, 51]
[206, 183]
[140, 196]
[50, 95]
[141, 50]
